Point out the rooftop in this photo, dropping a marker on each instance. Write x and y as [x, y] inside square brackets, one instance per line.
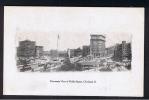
[97, 35]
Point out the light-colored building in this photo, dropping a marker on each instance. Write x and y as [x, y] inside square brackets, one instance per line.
[39, 51]
[97, 45]
[70, 53]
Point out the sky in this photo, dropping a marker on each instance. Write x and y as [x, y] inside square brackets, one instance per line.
[73, 24]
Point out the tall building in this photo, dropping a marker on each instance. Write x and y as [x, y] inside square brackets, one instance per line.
[39, 51]
[129, 52]
[118, 52]
[85, 51]
[26, 48]
[97, 45]
[122, 51]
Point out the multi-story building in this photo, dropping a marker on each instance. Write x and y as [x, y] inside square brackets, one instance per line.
[78, 52]
[62, 54]
[118, 52]
[97, 45]
[109, 52]
[26, 48]
[85, 51]
[122, 51]
[39, 51]
[74, 52]
[129, 52]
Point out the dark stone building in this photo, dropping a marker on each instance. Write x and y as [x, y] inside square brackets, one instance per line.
[129, 52]
[26, 48]
[78, 52]
[85, 51]
[122, 51]
[118, 53]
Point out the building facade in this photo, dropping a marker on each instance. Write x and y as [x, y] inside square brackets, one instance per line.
[70, 53]
[46, 53]
[97, 45]
[129, 52]
[54, 53]
[85, 51]
[109, 52]
[26, 48]
[77, 52]
[118, 52]
[39, 51]
[122, 51]
[63, 54]
[74, 52]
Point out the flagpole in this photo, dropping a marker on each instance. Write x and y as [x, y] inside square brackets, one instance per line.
[57, 45]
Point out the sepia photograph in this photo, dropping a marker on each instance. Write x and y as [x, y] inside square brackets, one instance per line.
[73, 51]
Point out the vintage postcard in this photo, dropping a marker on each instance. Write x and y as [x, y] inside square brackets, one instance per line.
[73, 51]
